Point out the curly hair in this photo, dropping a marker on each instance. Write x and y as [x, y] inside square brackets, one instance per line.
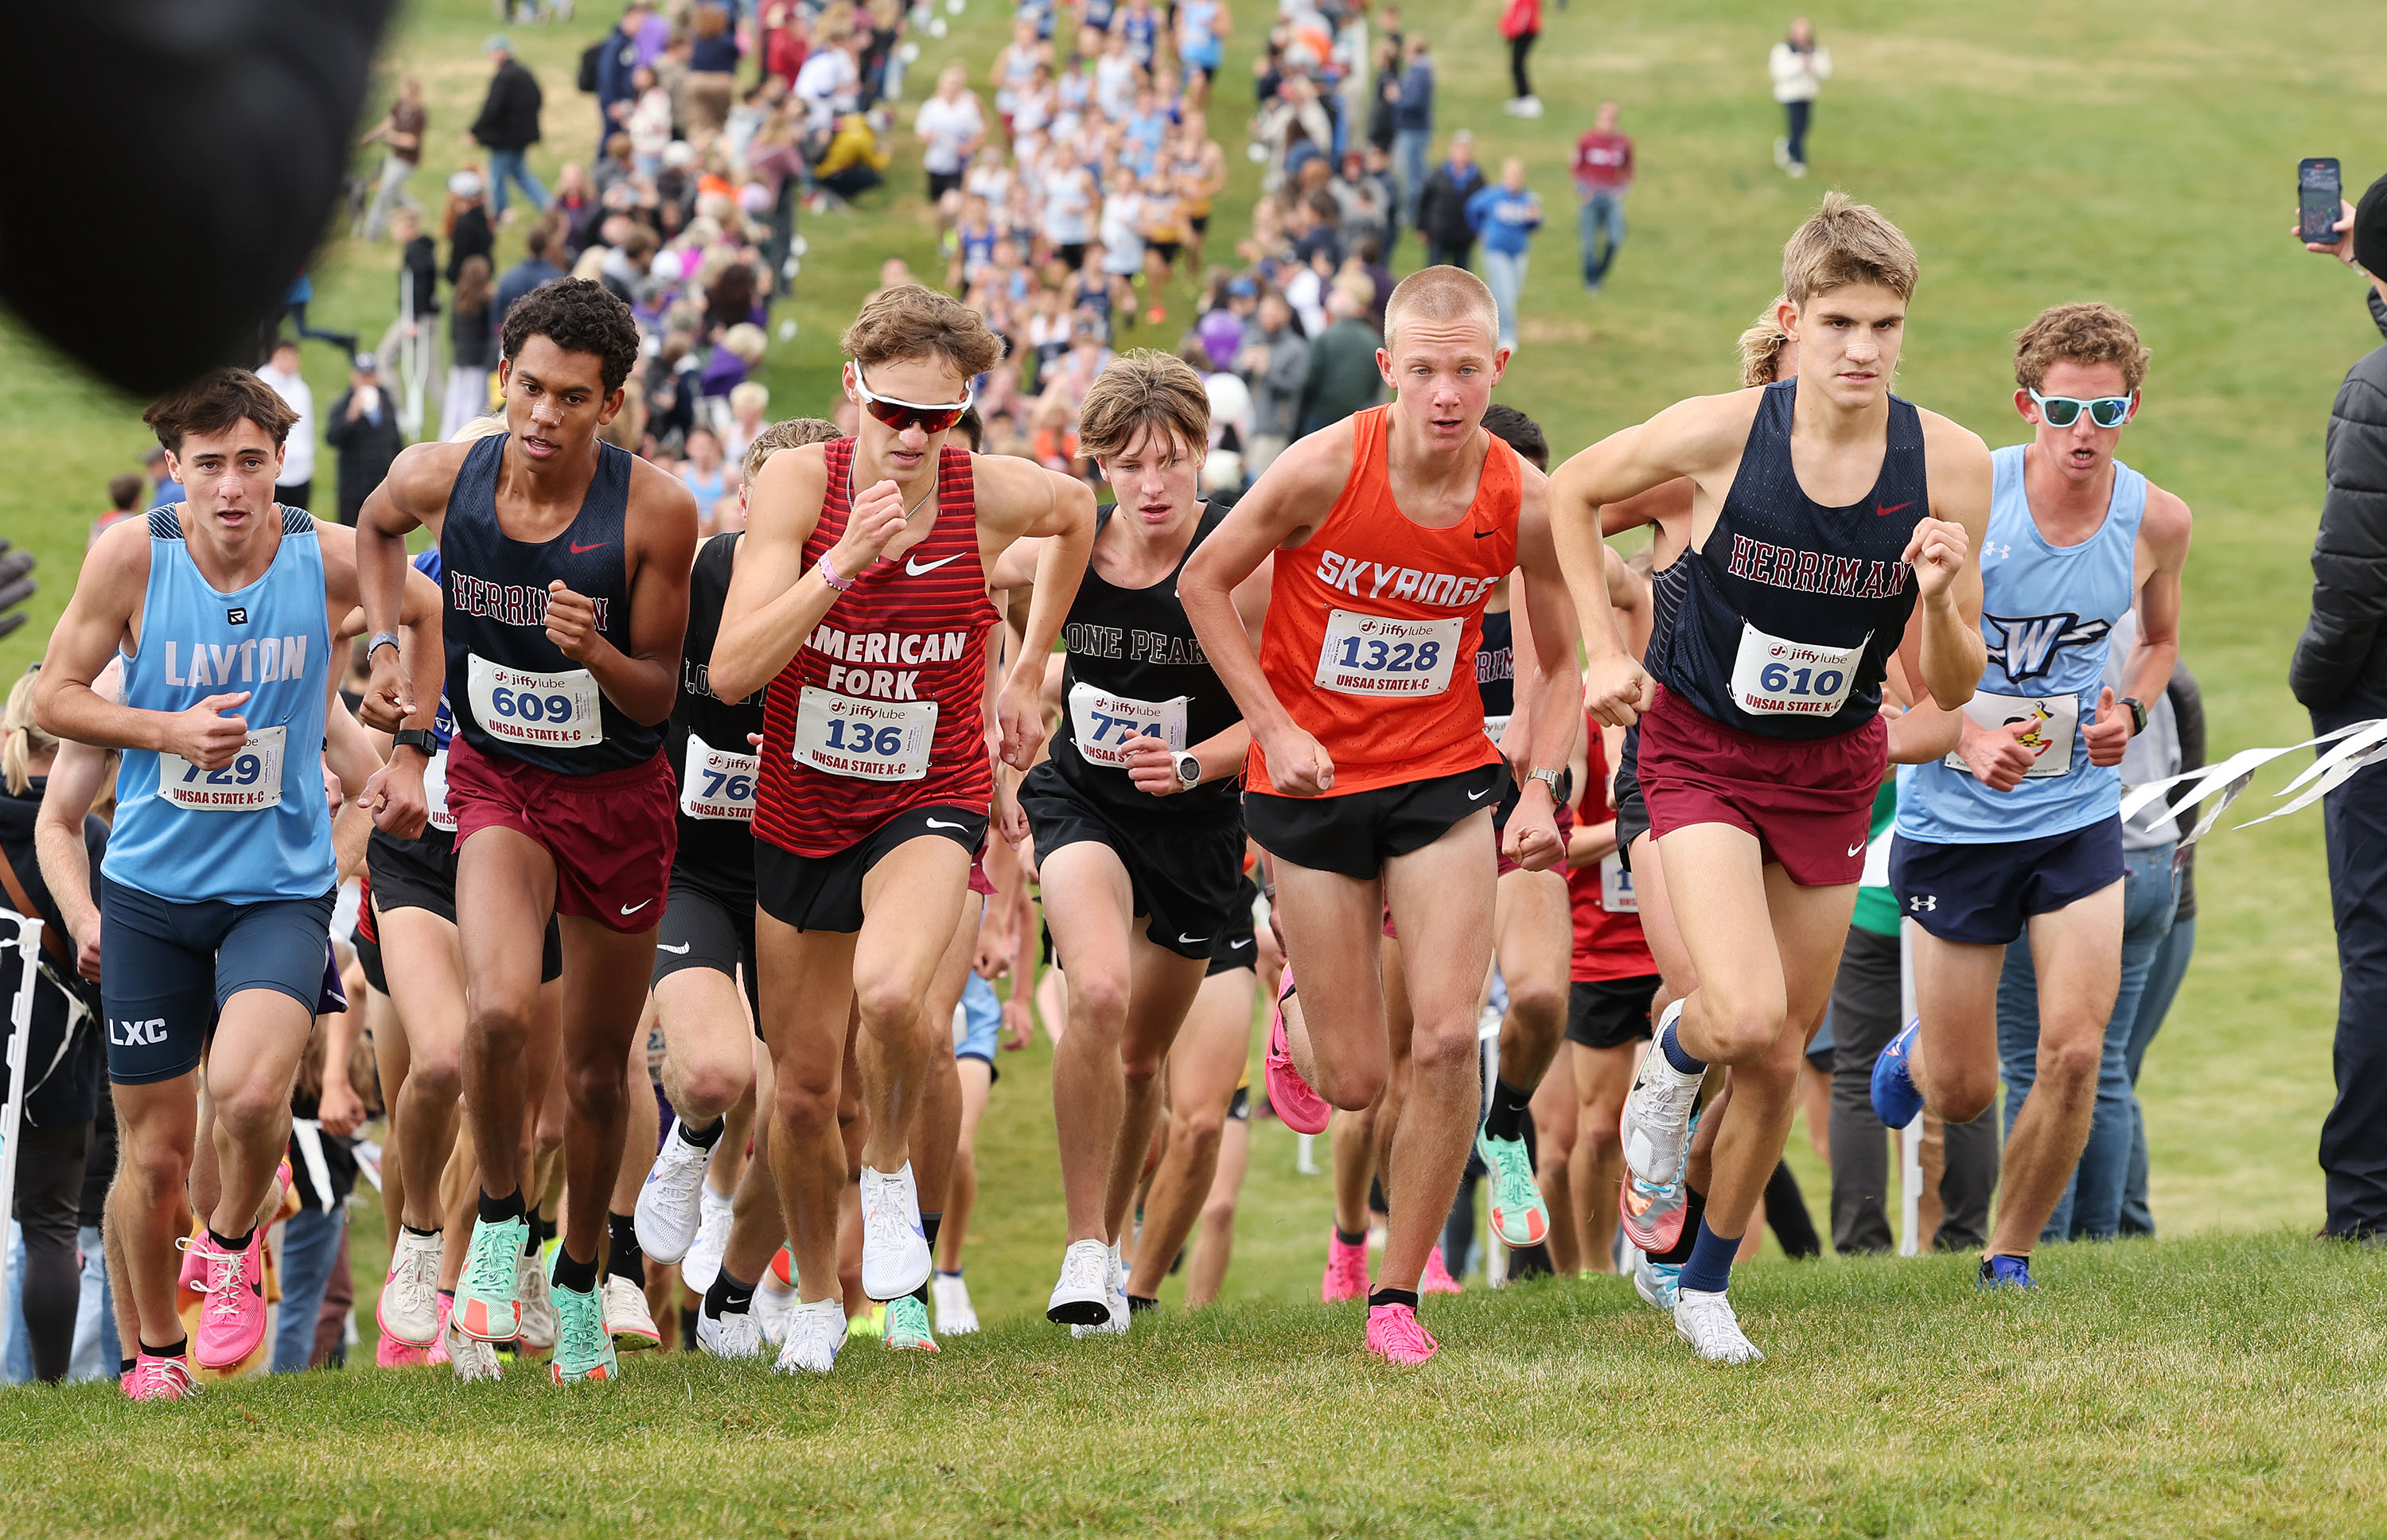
[578, 316]
[2085, 331]
[913, 321]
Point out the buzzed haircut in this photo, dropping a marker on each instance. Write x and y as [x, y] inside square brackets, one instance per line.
[1761, 346]
[2084, 332]
[578, 315]
[793, 434]
[1520, 432]
[1440, 294]
[213, 402]
[911, 321]
[1846, 243]
[1144, 389]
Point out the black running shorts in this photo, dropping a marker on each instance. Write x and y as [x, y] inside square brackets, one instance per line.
[420, 873]
[1236, 944]
[702, 930]
[1183, 878]
[824, 892]
[1354, 835]
[1632, 813]
[1610, 1012]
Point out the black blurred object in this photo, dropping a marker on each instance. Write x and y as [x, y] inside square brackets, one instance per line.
[2370, 230]
[16, 585]
[229, 118]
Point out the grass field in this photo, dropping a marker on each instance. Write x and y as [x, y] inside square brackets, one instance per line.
[2037, 152]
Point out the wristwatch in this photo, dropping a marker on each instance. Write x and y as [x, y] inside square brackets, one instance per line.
[379, 640]
[1189, 772]
[1553, 778]
[2138, 714]
[422, 739]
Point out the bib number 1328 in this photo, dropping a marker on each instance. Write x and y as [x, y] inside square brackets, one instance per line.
[1379, 655]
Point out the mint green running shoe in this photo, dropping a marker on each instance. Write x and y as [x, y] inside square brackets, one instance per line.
[907, 1325]
[584, 1348]
[1518, 1216]
[486, 1308]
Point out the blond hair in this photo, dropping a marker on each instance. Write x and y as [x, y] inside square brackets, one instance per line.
[1440, 294]
[1143, 389]
[21, 740]
[2084, 332]
[486, 425]
[911, 321]
[1761, 344]
[793, 434]
[1846, 243]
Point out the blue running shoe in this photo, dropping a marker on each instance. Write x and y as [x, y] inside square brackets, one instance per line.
[2007, 1273]
[1656, 1282]
[1895, 1099]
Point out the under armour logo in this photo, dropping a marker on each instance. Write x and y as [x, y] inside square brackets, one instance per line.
[1922, 900]
[1991, 548]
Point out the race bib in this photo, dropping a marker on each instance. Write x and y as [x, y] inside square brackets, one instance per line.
[1374, 655]
[1104, 722]
[871, 741]
[715, 783]
[1496, 727]
[1773, 677]
[434, 793]
[542, 711]
[251, 783]
[2053, 719]
[1616, 893]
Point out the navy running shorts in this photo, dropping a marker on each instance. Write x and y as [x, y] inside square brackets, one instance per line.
[1984, 895]
[171, 965]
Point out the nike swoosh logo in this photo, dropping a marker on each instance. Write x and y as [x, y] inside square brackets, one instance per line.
[1855, 848]
[957, 828]
[917, 568]
[1479, 796]
[634, 908]
[1486, 534]
[1886, 512]
[579, 550]
[680, 949]
[1192, 941]
[1238, 946]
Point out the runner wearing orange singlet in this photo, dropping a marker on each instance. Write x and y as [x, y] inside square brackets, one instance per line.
[1370, 778]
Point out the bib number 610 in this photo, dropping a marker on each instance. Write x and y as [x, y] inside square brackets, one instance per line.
[1778, 680]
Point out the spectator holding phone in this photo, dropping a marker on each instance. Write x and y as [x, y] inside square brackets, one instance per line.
[2340, 674]
[1800, 65]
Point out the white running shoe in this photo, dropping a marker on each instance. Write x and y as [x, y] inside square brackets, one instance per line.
[540, 1323]
[737, 1335]
[1655, 1127]
[473, 1361]
[895, 1258]
[702, 1263]
[773, 1307]
[955, 1316]
[626, 1316]
[814, 1334]
[1706, 1322]
[668, 1208]
[410, 1295]
[1114, 1301]
[1083, 1297]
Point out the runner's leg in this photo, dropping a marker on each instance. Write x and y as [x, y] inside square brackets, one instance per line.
[1204, 1065]
[1602, 1076]
[916, 891]
[2078, 952]
[427, 991]
[1556, 1133]
[505, 890]
[805, 1014]
[149, 1208]
[1214, 1245]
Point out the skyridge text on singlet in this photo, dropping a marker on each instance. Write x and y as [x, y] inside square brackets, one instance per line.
[1448, 589]
[884, 646]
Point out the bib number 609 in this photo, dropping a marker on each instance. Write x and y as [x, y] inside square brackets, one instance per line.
[527, 706]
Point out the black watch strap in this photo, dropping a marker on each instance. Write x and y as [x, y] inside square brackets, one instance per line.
[2138, 714]
[417, 738]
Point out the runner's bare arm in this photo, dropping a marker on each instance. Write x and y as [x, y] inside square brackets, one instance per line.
[1016, 568]
[420, 609]
[775, 600]
[1920, 732]
[1945, 630]
[1060, 511]
[1666, 505]
[76, 775]
[1150, 763]
[1549, 621]
[658, 536]
[2163, 533]
[1276, 515]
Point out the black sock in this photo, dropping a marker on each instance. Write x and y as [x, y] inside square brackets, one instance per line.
[1693, 1210]
[1351, 1238]
[928, 1226]
[1506, 1118]
[543, 1228]
[728, 1296]
[1137, 1304]
[231, 1243]
[1393, 1296]
[704, 1137]
[125, 1366]
[1786, 1216]
[412, 1230]
[1531, 1261]
[531, 1237]
[575, 1275]
[175, 1350]
[496, 1211]
[622, 1258]
[449, 1295]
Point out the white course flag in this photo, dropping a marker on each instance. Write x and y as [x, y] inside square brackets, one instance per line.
[2352, 747]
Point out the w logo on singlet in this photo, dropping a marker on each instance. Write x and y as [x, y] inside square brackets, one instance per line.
[2029, 643]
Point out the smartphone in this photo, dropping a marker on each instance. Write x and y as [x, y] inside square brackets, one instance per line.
[2319, 196]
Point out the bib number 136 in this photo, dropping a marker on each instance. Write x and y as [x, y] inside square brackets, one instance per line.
[877, 740]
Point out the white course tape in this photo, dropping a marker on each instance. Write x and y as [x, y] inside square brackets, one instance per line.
[2352, 747]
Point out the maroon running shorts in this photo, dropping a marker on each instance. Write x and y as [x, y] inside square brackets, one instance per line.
[612, 836]
[1809, 801]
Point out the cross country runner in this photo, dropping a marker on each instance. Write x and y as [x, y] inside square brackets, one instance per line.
[2021, 830]
[1135, 815]
[566, 583]
[1823, 508]
[868, 623]
[217, 890]
[1368, 731]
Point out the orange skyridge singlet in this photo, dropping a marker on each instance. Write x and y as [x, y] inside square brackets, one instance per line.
[882, 708]
[1373, 624]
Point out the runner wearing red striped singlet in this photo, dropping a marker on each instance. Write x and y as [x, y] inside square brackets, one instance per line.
[1370, 778]
[859, 602]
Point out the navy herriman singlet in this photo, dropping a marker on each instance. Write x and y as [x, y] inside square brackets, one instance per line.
[1783, 623]
[514, 694]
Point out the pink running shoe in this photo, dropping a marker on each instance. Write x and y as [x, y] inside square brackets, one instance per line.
[233, 1321]
[155, 1378]
[1436, 1278]
[437, 1352]
[1346, 1270]
[1396, 1335]
[1298, 1107]
[394, 1354]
